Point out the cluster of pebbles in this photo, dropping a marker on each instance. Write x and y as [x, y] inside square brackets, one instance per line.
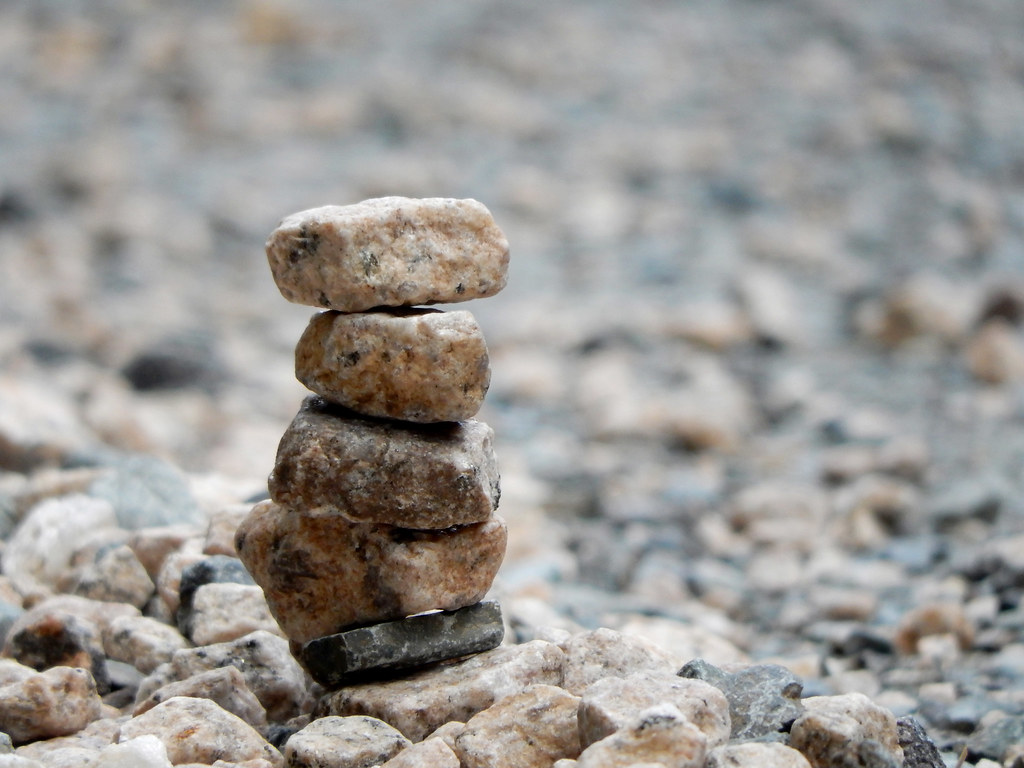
[383, 494]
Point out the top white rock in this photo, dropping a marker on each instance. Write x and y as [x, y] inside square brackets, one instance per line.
[389, 252]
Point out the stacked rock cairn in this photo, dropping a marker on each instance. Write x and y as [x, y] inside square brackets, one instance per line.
[380, 539]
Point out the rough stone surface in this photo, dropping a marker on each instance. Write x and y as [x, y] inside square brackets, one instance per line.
[417, 365]
[216, 569]
[222, 612]
[199, 731]
[658, 735]
[600, 653]
[532, 728]
[763, 698]
[430, 753]
[834, 726]
[56, 702]
[141, 752]
[405, 643]
[224, 686]
[303, 562]
[761, 754]
[344, 742]
[422, 702]
[609, 704]
[918, 750]
[54, 638]
[144, 642]
[265, 661]
[426, 476]
[42, 545]
[116, 576]
[390, 252]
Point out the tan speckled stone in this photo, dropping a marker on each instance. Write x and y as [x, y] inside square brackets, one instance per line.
[421, 476]
[388, 252]
[417, 365]
[322, 574]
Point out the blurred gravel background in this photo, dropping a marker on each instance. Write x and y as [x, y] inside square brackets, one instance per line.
[760, 357]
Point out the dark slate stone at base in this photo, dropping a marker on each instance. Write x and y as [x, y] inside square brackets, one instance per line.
[763, 699]
[918, 750]
[404, 643]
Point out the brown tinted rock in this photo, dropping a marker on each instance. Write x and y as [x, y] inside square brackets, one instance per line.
[422, 702]
[353, 742]
[56, 702]
[220, 534]
[532, 728]
[225, 611]
[610, 703]
[425, 476]
[417, 365]
[303, 562]
[57, 639]
[388, 252]
[199, 731]
[834, 727]
[659, 735]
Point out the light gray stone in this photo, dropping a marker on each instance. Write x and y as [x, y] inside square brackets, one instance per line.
[600, 653]
[527, 729]
[417, 365]
[389, 251]
[658, 735]
[198, 731]
[145, 751]
[343, 742]
[266, 663]
[224, 686]
[304, 561]
[223, 612]
[761, 754]
[405, 643]
[142, 642]
[610, 703]
[56, 702]
[422, 702]
[42, 545]
[424, 476]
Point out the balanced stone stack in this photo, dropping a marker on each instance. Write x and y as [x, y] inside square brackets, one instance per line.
[380, 539]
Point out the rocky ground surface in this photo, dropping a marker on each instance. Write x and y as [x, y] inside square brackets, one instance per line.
[758, 378]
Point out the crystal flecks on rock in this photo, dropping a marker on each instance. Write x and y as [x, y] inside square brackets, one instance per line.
[379, 540]
[424, 476]
[388, 252]
[415, 365]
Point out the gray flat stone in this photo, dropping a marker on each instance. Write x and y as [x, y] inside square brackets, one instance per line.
[405, 643]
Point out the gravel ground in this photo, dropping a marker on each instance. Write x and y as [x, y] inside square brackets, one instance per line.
[759, 369]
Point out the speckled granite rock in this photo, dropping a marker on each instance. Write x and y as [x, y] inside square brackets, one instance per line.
[420, 703]
[343, 741]
[610, 703]
[836, 726]
[388, 251]
[659, 735]
[58, 701]
[224, 686]
[304, 561]
[197, 730]
[405, 643]
[531, 728]
[417, 365]
[427, 476]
